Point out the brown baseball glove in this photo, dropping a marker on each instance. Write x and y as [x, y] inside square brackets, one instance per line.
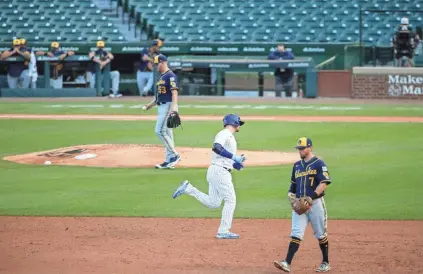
[302, 204]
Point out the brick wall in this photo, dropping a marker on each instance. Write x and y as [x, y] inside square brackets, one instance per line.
[369, 87]
[377, 83]
[334, 83]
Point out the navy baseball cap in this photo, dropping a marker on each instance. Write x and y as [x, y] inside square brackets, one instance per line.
[304, 142]
[160, 58]
[157, 42]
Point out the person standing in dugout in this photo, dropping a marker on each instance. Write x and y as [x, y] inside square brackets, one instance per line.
[284, 77]
[17, 72]
[103, 58]
[309, 179]
[145, 71]
[56, 67]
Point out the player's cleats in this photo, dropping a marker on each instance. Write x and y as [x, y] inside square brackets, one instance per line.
[324, 267]
[173, 161]
[181, 189]
[284, 266]
[227, 235]
[162, 165]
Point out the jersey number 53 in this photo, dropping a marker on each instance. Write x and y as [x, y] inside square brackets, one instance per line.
[161, 90]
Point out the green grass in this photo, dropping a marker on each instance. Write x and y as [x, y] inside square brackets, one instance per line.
[190, 108]
[376, 171]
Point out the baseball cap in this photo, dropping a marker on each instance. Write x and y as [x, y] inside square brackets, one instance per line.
[23, 41]
[16, 42]
[55, 45]
[304, 142]
[157, 42]
[159, 58]
[100, 44]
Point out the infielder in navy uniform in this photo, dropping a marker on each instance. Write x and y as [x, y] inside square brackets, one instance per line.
[167, 102]
[309, 179]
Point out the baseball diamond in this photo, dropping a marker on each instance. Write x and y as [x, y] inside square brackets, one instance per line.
[261, 204]
[215, 137]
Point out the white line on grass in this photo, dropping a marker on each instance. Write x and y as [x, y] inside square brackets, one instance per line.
[253, 107]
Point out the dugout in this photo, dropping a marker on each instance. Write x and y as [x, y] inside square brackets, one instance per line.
[217, 66]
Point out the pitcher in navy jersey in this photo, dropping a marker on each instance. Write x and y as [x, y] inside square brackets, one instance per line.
[166, 100]
[309, 178]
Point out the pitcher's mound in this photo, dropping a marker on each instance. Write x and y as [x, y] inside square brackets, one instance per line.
[120, 155]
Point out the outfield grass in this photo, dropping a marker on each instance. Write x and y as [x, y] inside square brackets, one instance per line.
[376, 171]
[125, 107]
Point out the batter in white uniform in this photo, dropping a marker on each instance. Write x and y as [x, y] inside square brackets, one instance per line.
[219, 176]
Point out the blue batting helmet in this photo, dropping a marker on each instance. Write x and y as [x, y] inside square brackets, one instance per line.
[233, 120]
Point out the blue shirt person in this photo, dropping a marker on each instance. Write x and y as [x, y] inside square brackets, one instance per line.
[283, 77]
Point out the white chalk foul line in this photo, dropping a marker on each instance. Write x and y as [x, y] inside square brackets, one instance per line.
[319, 119]
[253, 107]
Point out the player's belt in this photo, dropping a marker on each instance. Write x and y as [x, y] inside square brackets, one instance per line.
[161, 103]
[228, 169]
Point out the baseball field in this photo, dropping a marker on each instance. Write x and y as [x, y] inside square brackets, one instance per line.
[114, 213]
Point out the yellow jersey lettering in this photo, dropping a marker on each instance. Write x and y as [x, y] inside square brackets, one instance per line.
[305, 173]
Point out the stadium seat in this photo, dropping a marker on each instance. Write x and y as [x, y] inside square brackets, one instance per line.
[249, 20]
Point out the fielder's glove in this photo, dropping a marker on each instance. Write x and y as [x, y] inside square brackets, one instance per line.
[302, 204]
[173, 121]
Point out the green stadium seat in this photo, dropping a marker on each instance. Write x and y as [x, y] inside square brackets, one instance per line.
[7, 6]
[111, 33]
[6, 33]
[41, 19]
[20, 25]
[27, 32]
[44, 25]
[201, 20]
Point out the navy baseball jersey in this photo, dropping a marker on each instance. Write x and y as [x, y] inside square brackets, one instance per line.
[15, 68]
[286, 55]
[306, 176]
[144, 64]
[26, 50]
[56, 68]
[166, 83]
[100, 54]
